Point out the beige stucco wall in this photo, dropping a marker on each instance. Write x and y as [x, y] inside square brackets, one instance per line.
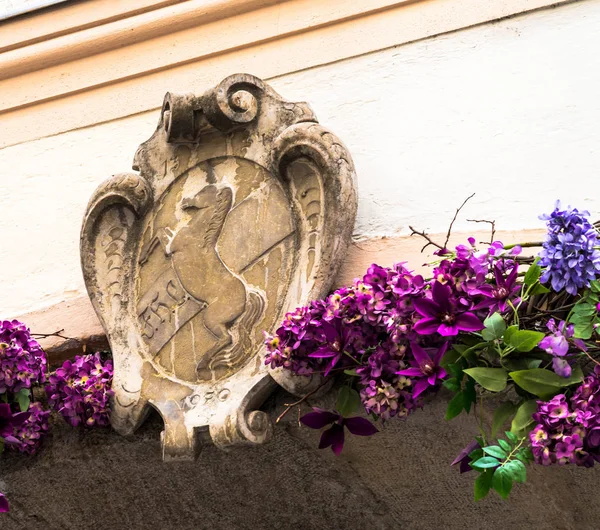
[433, 100]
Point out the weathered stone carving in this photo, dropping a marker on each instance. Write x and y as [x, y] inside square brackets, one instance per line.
[242, 209]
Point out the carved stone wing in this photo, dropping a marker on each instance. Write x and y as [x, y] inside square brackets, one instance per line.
[242, 210]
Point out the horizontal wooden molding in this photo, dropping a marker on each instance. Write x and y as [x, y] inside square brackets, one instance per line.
[77, 320]
[270, 39]
[69, 18]
[121, 33]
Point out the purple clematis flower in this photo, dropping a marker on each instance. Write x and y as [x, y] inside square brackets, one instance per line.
[463, 457]
[442, 314]
[8, 422]
[338, 338]
[557, 345]
[427, 370]
[497, 296]
[334, 436]
[3, 504]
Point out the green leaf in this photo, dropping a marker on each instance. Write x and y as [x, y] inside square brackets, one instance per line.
[494, 327]
[470, 394]
[532, 275]
[501, 415]
[351, 373]
[456, 370]
[493, 379]
[452, 384]
[522, 421]
[495, 451]
[586, 310]
[451, 356]
[23, 398]
[521, 363]
[485, 463]
[455, 406]
[584, 330]
[539, 289]
[483, 484]
[509, 333]
[516, 470]
[502, 482]
[543, 383]
[595, 286]
[348, 401]
[505, 445]
[512, 437]
[476, 454]
[525, 340]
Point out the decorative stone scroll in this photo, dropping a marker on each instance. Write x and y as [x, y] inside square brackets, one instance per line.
[241, 211]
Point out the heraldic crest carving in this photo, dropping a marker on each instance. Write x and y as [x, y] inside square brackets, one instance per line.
[241, 210]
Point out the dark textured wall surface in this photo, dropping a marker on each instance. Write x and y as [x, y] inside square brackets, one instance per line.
[398, 479]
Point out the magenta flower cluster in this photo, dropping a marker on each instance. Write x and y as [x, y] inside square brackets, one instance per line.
[392, 327]
[30, 433]
[22, 360]
[80, 390]
[568, 430]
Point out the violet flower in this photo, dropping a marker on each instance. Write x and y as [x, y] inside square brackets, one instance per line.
[442, 314]
[425, 368]
[334, 436]
[497, 296]
[570, 256]
[338, 338]
[557, 345]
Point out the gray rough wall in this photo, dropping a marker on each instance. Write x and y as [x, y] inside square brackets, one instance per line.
[398, 479]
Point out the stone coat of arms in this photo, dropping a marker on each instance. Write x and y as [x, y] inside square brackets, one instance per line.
[241, 209]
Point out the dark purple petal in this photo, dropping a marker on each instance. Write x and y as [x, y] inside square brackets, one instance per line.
[411, 372]
[420, 386]
[426, 307]
[4, 508]
[469, 322]
[446, 330]
[318, 419]
[463, 457]
[334, 437]
[360, 426]
[427, 326]
[440, 353]
[441, 296]
[324, 352]
[419, 354]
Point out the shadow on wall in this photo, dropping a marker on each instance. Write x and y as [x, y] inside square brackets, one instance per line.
[400, 478]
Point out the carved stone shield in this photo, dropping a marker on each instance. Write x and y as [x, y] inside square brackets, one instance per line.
[241, 211]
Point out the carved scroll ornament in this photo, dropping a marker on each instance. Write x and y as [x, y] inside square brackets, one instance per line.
[241, 211]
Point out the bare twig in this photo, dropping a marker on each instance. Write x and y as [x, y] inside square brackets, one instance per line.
[290, 406]
[425, 236]
[455, 216]
[54, 334]
[492, 223]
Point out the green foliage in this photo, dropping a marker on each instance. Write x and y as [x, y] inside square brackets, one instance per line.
[544, 383]
[348, 401]
[494, 327]
[23, 397]
[493, 379]
[525, 340]
[502, 465]
[501, 415]
[523, 421]
[584, 314]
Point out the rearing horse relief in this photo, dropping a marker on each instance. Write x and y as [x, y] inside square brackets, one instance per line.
[229, 307]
